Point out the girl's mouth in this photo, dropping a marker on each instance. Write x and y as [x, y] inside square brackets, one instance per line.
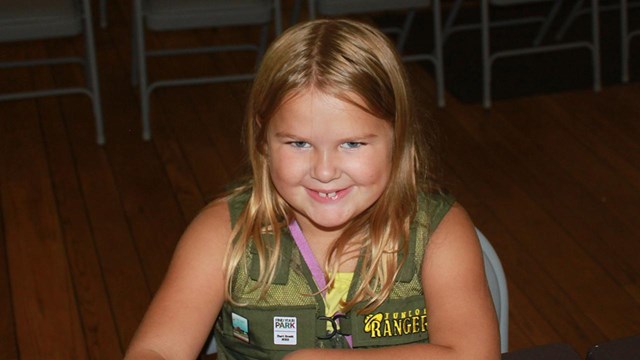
[332, 195]
[328, 196]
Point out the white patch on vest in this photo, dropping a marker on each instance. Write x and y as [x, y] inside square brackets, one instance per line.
[285, 330]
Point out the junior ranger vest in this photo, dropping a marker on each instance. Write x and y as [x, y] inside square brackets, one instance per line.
[291, 317]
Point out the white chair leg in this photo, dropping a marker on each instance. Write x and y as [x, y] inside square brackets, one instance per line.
[295, 13]
[277, 16]
[544, 28]
[311, 8]
[103, 14]
[406, 28]
[91, 71]
[438, 52]
[140, 66]
[573, 15]
[624, 41]
[595, 33]
[486, 59]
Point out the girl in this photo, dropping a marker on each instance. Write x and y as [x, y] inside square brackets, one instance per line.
[339, 240]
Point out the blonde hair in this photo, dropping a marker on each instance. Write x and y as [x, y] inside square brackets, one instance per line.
[339, 58]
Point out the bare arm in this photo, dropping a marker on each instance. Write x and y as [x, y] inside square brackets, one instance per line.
[462, 319]
[185, 307]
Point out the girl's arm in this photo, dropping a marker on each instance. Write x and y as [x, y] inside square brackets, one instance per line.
[462, 319]
[184, 309]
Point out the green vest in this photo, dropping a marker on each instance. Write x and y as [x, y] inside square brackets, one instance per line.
[288, 318]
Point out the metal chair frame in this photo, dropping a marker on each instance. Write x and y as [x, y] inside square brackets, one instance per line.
[140, 55]
[92, 88]
[103, 14]
[486, 24]
[623, 7]
[626, 35]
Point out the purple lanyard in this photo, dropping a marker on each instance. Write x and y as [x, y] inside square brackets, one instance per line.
[307, 254]
[312, 263]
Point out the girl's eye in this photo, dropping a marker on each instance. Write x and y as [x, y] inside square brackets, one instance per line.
[299, 144]
[351, 145]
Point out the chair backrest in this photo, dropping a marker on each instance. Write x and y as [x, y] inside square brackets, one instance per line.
[22, 20]
[172, 15]
[498, 287]
[39, 19]
[198, 14]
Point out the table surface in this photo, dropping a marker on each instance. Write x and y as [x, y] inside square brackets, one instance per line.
[627, 348]
[620, 349]
[544, 352]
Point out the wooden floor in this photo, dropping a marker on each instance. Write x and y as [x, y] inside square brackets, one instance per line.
[86, 232]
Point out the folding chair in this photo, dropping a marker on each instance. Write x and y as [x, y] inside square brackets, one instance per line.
[537, 45]
[171, 15]
[626, 36]
[103, 14]
[22, 20]
[498, 287]
[348, 7]
[623, 6]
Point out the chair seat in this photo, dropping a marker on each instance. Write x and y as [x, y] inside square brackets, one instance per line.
[193, 14]
[340, 7]
[39, 19]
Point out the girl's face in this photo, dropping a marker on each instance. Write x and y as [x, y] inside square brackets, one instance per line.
[328, 159]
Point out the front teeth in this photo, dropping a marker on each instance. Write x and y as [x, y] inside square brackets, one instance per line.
[331, 195]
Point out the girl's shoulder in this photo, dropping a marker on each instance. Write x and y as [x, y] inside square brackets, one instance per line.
[213, 221]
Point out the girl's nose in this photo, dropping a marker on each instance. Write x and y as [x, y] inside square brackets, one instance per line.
[325, 167]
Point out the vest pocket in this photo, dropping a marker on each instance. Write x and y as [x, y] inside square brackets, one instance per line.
[247, 329]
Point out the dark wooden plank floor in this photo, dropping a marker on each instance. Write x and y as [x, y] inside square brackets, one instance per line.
[86, 232]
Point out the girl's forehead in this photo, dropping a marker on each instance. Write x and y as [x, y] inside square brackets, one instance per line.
[315, 113]
[332, 93]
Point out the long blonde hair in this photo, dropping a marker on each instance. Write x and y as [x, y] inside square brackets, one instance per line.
[338, 58]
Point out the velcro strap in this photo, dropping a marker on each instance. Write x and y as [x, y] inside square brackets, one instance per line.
[284, 260]
[408, 269]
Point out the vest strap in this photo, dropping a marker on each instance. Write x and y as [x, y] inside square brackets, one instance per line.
[408, 269]
[284, 260]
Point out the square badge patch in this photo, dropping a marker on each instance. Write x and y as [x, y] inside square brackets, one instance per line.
[285, 330]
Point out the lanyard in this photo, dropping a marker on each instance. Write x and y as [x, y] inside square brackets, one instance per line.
[312, 264]
[307, 254]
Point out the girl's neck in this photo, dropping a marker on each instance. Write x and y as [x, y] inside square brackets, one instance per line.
[317, 234]
[320, 241]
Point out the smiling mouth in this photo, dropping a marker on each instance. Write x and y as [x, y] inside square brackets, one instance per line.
[332, 195]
